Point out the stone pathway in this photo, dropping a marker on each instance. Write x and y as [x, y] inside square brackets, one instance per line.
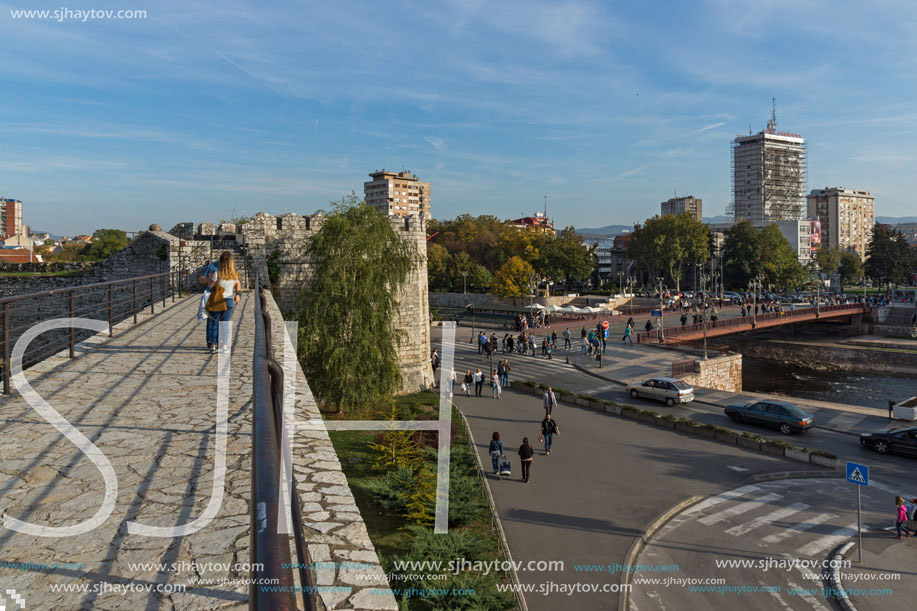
[147, 399]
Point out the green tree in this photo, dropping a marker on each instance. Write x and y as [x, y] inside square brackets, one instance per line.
[397, 449]
[105, 243]
[512, 280]
[748, 251]
[347, 313]
[422, 498]
[668, 244]
[889, 258]
[850, 267]
[439, 262]
[567, 258]
[828, 259]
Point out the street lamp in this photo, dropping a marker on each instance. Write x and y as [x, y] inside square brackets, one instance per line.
[661, 310]
[703, 315]
[464, 283]
[631, 281]
[755, 285]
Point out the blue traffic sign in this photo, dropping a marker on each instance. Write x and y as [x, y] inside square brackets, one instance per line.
[857, 474]
[656, 313]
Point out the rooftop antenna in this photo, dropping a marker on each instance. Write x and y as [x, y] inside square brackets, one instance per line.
[772, 123]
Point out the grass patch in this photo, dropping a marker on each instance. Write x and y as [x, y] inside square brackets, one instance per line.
[380, 498]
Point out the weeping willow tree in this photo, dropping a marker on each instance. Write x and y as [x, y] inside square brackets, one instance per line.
[347, 312]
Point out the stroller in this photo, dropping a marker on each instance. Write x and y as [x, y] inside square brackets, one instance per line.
[505, 468]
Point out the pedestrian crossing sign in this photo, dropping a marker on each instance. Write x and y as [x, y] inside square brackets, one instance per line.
[857, 474]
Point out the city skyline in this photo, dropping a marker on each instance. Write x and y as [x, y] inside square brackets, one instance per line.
[190, 114]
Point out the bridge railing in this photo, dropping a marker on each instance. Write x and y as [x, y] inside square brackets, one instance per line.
[270, 549]
[112, 301]
[652, 337]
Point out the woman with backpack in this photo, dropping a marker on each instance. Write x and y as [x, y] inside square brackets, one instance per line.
[224, 295]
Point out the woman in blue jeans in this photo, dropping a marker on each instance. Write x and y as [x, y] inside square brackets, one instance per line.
[228, 278]
[496, 451]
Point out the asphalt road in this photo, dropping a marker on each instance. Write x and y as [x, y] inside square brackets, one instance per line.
[604, 482]
[782, 531]
[556, 373]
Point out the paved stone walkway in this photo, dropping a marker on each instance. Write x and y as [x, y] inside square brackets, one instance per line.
[147, 399]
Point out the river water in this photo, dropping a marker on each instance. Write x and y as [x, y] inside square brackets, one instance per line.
[868, 390]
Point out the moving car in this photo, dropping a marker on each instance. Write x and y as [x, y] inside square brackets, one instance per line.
[670, 390]
[781, 415]
[896, 441]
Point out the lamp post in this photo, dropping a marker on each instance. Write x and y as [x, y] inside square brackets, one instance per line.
[703, 312]
[661, 310]
[631, 281]
[464, 283]
[755, 286]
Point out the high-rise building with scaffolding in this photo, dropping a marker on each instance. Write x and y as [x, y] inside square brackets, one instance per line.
[769, 176]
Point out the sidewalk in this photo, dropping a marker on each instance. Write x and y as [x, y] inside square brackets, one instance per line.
[883, 557]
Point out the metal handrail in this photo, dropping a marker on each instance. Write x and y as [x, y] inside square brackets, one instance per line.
[270, 549]
[103, 306]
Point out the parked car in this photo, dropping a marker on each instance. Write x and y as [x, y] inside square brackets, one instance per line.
[670, 390]
[781, 415]
[895, 441]
[731, 296]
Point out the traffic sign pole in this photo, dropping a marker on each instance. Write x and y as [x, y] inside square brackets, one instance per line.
[859, 528]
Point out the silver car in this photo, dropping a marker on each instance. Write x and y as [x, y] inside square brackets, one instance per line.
[670, 390]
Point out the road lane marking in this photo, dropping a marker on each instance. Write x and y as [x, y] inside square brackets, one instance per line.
[801, 527]
[822, 544]
[735, 468]
[760, 521]
[776, 596]
[723, 496]
[739, 509]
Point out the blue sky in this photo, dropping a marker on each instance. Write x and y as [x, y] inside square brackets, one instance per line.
[605, 107]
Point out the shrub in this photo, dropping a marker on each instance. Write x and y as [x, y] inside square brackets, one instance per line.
[389, 491]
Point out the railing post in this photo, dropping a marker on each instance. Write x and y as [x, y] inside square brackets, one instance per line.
[6, 348]
[173, 280]
[72, 331]
[152, 295]
[135, 300]
[162, 289]
[109, 311]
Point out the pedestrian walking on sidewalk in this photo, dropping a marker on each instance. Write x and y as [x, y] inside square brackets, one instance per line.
[478, 382]
[548, 430]
[496, 452]
[505, 373]
[567, 343]
[901, 519]
[549, 401]
[452, 382]
[627, 339]
[648, 326]
[495, 384]
[467, 382]
[554, 338]
[684, 318]
[527, 455]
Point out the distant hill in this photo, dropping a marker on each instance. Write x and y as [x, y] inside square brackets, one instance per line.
[718, 219]
[894, 220]
[608, 231]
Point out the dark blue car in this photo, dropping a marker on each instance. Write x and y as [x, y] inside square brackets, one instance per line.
[783, 416]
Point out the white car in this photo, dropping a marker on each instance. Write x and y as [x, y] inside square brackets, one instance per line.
[670, 390]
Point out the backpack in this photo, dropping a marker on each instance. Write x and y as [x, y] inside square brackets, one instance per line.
[216, 303]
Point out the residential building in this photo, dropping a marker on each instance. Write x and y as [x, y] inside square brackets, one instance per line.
[398, 194]
[678, 205]
[847, 217]
[16, 254]
[612, 259]
[19, 240]
[10, 217]
[769, 176]
[538, 222]
[798, 233]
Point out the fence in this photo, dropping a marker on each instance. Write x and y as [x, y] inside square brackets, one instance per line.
[270, 549]
[680, 368]
[113, 301]
[651, 337]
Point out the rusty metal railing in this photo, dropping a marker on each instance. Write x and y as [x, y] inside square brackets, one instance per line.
[270, 549]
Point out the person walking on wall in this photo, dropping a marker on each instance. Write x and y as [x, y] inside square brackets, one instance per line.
[204, 279]
[548, 430]
[527, 455]
[496, 452]
[549, 401]
[224, 295]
